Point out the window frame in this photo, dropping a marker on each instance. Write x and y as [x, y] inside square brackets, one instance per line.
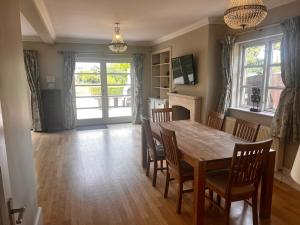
[267, 42]
[105, 119]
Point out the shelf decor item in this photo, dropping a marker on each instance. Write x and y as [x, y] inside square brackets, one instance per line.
[245, 13]
[255, 99]
[117, 44]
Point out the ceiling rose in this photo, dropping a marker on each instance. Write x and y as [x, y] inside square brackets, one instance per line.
[245, 13]
[117, 45]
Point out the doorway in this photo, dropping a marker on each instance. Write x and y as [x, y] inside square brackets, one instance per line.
[103, 92]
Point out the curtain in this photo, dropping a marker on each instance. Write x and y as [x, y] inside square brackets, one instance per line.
[69, 107]
[138, 67]
[286, 121]
[226, 61]
[33, 76]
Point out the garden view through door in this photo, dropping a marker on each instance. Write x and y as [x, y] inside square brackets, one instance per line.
[103, 92]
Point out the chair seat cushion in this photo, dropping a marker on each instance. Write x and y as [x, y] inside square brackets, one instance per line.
[218, 180]
[160, 152]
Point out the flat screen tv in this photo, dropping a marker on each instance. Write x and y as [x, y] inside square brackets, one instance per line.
[183, 70]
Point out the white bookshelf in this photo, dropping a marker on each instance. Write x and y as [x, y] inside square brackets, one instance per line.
[161, 73]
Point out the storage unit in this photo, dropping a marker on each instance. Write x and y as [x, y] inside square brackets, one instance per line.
[53, 111]
[161, 74]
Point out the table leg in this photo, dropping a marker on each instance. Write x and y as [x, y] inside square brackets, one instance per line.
[199, 193]
[267, 187]
[144, 148]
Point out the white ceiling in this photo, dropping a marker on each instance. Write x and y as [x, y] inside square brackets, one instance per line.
[141, 20]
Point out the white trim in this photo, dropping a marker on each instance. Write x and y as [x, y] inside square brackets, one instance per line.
[201, 23]
[42, 10]
[85, 41]
[276, 3]
[182, 31]
[39, 217]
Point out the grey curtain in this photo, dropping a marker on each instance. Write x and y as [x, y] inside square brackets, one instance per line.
[226, 62]
[33, 77]
[286, 121]
[69, 107]
[138, 69]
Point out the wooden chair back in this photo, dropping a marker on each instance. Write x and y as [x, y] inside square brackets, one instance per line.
[246, 130]
[169, 142]
[215, 120]
[248, 163]
[162, 115]
[149, 137]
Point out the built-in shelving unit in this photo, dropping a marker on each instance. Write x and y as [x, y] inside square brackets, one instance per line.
[161, 74]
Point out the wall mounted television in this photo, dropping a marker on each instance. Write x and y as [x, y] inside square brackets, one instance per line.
[183, 70]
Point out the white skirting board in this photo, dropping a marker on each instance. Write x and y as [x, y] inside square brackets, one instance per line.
[39, 217]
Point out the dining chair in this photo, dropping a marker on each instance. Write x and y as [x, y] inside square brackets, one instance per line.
[155, 152]
[215, 120]
[241, 182]
[246, 130]
[178, 169]
[162, 115]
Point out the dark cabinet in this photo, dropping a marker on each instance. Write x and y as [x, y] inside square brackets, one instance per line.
[53, 110]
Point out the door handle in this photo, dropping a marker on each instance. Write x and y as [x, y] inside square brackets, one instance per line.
[12, 211]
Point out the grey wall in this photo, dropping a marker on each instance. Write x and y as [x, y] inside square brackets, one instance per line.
[204, 44]
[16, 118]
[51, 63]
[271, 27]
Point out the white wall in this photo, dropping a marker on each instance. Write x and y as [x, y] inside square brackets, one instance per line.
[16, 117]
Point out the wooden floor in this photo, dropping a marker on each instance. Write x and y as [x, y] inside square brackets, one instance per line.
[94, 177]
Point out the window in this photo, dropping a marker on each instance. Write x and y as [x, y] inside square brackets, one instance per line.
[260, 67]
[103, 91]
[119, 89]
[88, 90]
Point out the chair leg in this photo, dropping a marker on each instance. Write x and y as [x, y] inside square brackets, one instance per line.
[211, 196]
[167, 184]
[254, 209]
[154, 174]
[148, 164]
[179, 200]
[227, 211]
[161, 164]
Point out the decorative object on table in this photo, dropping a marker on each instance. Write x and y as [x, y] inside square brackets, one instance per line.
[117, 44]
[295, 172]
[255, 99]
[245, 13]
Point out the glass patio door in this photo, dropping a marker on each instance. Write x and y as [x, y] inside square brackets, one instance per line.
[103, 92]
[119, 91]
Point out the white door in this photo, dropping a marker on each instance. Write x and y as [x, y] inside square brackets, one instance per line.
[103, 91]
[5, 191]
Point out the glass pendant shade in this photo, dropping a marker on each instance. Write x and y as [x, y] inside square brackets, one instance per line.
[245, 13]
[117, 45]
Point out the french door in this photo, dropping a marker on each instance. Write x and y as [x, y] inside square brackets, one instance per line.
[103, 92]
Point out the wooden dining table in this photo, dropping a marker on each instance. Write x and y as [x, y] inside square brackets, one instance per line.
[206, 149]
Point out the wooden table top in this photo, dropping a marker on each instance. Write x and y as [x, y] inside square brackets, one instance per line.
[199, 141]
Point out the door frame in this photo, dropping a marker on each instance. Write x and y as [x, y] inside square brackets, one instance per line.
[5, 188]
[104, 95]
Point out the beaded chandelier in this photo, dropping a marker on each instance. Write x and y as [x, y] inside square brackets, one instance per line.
[117, 44]
[245, 13]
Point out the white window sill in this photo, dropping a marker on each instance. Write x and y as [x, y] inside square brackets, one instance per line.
[267, 114]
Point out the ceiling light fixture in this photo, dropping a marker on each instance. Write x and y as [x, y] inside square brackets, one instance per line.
[245, 13]
[117, 44]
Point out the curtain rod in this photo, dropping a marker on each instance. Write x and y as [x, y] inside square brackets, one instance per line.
[259, 29]
[95, 53]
